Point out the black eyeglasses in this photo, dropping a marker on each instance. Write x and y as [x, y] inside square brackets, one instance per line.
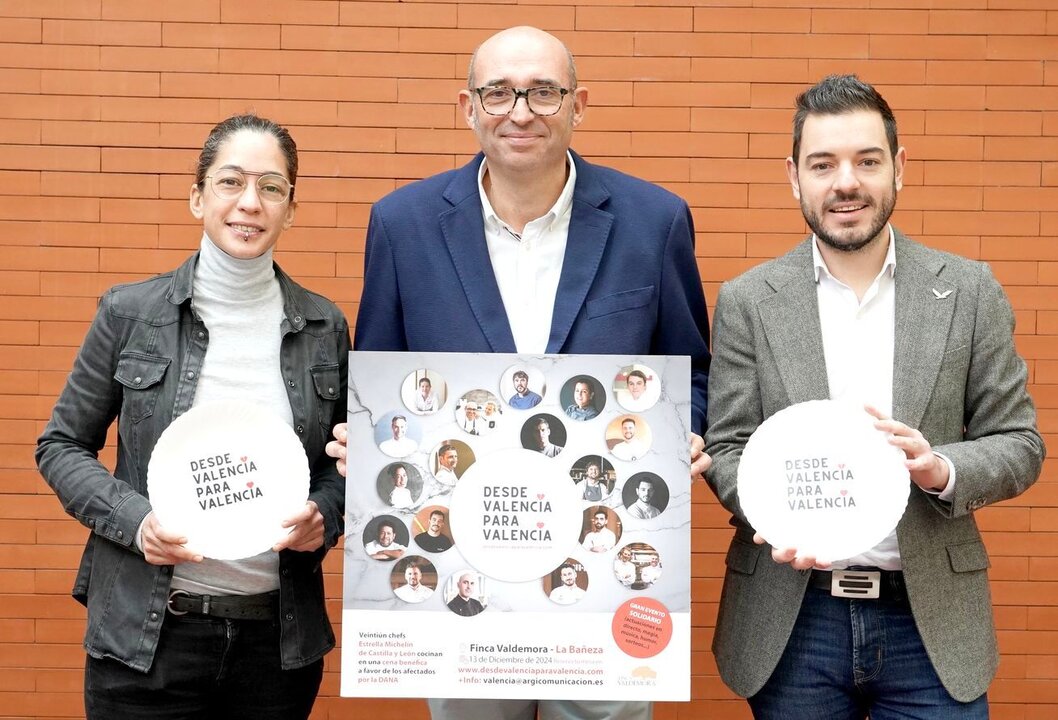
[500, 100]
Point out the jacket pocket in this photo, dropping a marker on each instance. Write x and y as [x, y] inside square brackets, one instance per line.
[968, 556]
[141, 375]
[328, 389]
[618, 302]
[742, 557]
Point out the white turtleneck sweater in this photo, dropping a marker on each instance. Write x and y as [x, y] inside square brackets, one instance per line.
[241, 304]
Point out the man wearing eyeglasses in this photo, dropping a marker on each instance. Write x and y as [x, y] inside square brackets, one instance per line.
[528, 248]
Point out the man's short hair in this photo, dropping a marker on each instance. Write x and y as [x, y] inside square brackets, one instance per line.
[445, 448]
[600, 511]
[541, 420]
[386, 523]
[837, 95]
[520, 374]
[427, 381]
[393, 470]
[440, 513]
[638, 374]
[627, 420]
[563, 566]
[396, 418]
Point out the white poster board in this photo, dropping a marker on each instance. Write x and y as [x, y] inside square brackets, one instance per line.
[517, 527]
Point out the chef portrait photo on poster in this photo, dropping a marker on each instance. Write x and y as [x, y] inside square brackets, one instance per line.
[582, 397]
[385, 538]
[413, 579]
[637, 388]
[466, 593]
[567, 584]
[600, 529]
[398, 434]
[645, 496]
[637, 565]
[424, 391]
[479, 412]
[399, 484]
[595, 476]
[545, 434]
[431, 530]
[523, 386]
[449, 459]
[628, 437]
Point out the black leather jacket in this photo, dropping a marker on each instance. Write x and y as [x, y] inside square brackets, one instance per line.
[139, 363]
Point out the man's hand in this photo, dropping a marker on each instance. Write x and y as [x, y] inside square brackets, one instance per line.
[336, 448]
[307, 534]
[700, 462]
[161, 547]
[927, 470]
[789, 555]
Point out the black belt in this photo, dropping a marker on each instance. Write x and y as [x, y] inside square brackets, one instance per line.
[861, 583]
[233, 607]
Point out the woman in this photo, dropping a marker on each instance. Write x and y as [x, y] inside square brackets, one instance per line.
[172, 634]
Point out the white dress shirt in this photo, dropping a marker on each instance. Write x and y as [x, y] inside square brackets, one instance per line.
[416, 594]
[528, 267]
[858, 341]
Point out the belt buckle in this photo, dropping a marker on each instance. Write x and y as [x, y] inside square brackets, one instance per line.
[169, 602]
[863, 584]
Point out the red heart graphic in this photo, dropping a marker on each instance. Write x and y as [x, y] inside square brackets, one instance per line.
[242, 459]
[841, 466]
[844, 492]
[539, 524]
[539, 496]
[249, 484]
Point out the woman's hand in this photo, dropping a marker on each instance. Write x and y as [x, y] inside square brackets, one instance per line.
[161, 547]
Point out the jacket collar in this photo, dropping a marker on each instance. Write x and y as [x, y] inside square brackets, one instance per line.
[464, 233]
[299, 306]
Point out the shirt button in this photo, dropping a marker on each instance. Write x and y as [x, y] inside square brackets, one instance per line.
[301, 429]
[297, 318]
[120, 534]
[190, 374]
[289, 616]
[137, 380]
[330, 390]
[154, 616]
[290, 383]
[201, 334]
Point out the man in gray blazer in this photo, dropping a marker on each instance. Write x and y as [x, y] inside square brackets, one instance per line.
[859, 312]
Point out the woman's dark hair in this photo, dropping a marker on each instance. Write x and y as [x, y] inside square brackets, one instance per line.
[236, 123]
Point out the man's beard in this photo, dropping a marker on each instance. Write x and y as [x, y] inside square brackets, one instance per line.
[852, 243]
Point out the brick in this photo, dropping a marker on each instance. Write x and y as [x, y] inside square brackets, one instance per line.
[329, 88]
[784, 45]
[688, 94]
[20, 81]
[303, 37]
[161, 59]
[1014, 47]
[94, 82]
[753, 70]
[879, 22]
[186, 11]
[754, 20]
[1022, 98]
[985, 72]
[389, 14]
[873, 70]
[214, 85]
[95, 32]
[560, 19]
[400, 115]
[1020, 198]
[20, 30]
[305, 12]
[981, 223]
[931, 47]
[636, 68]
[1021, 148]
[216, 35]
[958, 172]
[940, 122]
[690, 44]
[99, 185]
[47, 107]
[145, 160]
[61, 57]
[673, 19]
[993, 22]
[50, 8]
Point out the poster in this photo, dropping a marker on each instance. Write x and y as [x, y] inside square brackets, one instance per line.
[517, 527]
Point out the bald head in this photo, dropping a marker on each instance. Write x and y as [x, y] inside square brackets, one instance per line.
[524, 41]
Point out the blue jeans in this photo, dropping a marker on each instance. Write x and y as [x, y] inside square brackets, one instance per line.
[847, 659]
[205, 668]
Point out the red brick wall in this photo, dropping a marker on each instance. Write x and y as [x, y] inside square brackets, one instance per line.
[104, 102]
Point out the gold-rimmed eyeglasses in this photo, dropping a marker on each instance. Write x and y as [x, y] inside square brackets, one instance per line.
[229, 183]
[543, 100]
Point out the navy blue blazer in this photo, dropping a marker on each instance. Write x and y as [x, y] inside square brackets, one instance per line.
[629, 282]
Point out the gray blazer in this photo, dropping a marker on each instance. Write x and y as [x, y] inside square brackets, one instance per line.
[956, 377]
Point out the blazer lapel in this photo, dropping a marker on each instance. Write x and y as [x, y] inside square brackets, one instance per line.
[790, 319]
[589, 231]
[925, 305]
[464, 233]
